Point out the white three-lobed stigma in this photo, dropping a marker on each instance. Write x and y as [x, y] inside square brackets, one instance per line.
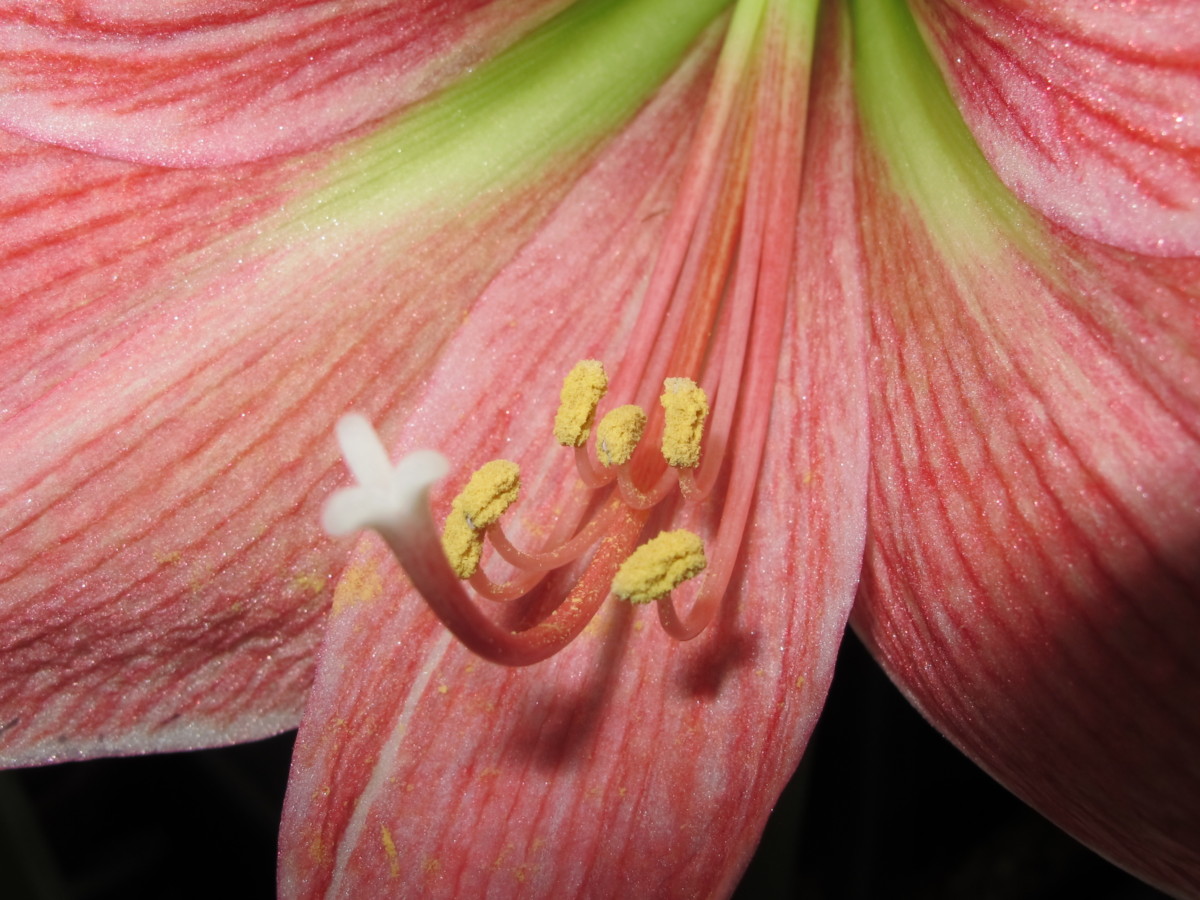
[386, 495]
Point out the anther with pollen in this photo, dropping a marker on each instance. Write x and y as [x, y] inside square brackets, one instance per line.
[659, 566]
[581, 392]
[618, 434]
[685, 406]
[491, 490]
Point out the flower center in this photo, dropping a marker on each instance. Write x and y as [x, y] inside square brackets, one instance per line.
[708, 337]
[658, 566]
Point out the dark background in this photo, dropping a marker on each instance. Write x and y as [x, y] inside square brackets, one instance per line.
[882, 807]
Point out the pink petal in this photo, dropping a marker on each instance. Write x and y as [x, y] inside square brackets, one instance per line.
[1033, 560]
[176, 344]
[215, 83]
[630, 764]
[1090, 112]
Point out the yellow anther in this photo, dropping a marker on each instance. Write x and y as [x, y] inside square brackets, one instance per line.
[461, 543]
[618, 434]
[659, 566]
[582, 389]
[491, 491]
[686, 407]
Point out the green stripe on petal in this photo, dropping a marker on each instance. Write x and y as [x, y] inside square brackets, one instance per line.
[564, 87]
[913, 122]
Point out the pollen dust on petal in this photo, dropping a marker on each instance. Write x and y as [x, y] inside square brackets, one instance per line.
[359, 583]
[389, 847]
[316, 851]
[307, 583]
[500, 860]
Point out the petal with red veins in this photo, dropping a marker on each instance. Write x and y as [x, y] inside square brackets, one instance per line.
[216, 83]
[176, 343]
[629, 764]
[1090, 112]
[1033, 559]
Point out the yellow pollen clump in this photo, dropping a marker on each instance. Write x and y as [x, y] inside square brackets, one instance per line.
[461, 543]
[491, 490]
[659, 566]
[582, 389]
[686, 407]
[618, 434]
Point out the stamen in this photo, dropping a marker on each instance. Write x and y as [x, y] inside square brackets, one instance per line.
[462, 544]
[567, 552]
[686, 407]
[489, 492]
[618, 434]
[582, 391]
[659, 566]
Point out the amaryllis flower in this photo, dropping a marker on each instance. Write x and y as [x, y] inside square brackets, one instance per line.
[935, 272]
